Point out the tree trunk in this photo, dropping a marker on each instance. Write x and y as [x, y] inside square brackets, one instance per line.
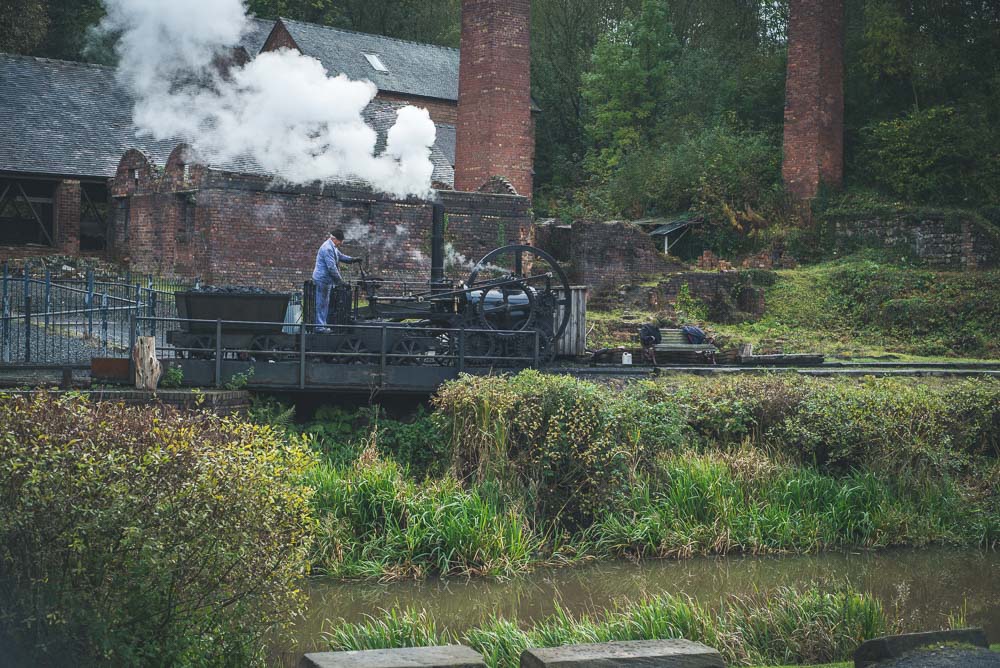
[147, 368]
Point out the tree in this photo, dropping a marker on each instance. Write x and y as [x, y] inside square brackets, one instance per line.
[23, 24]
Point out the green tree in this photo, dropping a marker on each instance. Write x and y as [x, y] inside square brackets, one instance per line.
[23, 24]
[628, 87]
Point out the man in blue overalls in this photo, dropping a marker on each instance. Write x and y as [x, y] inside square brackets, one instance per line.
[326, 275]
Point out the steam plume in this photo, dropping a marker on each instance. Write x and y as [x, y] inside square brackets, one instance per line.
[281, 108]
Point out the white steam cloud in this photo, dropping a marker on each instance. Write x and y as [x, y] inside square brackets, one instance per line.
[281, 108]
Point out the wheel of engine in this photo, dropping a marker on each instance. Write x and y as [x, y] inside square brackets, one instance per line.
[415, 350]
[522, 278]
[354, 351]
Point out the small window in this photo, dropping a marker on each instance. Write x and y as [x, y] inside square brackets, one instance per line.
[376, 62]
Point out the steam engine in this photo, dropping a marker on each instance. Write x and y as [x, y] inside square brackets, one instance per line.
[509, 311]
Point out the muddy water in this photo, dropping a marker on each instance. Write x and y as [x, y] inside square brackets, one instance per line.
[918, 587]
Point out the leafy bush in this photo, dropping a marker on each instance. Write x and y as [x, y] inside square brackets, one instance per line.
[938, 154]
[568, 448]
[145, 536]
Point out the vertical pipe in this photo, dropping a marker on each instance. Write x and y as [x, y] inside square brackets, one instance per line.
[104, 324]
[437, 248]
[152, 313]
[5, 330]
[89, 302]
[302, 355]
[48, 297]
[381, 361]
[461, 350]
[133, 334]
[27, 328]
[218, 354]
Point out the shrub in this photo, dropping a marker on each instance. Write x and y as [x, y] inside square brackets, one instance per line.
[938, 154]
[569, 448]
[145, 536]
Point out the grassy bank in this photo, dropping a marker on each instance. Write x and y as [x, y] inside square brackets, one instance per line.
[785, 626]
[538, 469]
[854, 308]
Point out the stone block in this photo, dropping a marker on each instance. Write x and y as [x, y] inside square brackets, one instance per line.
[449, 656]
[635, 654]
[872, 652]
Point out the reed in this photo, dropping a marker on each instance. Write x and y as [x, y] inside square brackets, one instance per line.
[375, 522]
[786, 625]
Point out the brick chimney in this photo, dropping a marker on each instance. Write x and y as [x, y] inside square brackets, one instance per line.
[495, 135]
[814, 97]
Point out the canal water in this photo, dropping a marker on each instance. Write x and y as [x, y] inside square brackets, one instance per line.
[919, 587]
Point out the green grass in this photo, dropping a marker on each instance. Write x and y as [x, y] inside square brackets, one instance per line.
[856, 308]
[783, 626]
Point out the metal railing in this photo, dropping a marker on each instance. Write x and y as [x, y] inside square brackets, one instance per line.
[413, 354]
[45, 320]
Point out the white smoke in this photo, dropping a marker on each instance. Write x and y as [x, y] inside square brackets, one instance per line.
[281, 109]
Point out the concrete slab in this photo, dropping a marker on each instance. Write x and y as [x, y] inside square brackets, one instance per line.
[448, 656]
[633, 654]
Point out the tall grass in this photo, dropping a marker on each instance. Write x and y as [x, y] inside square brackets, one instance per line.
[786, 625]
[705, 504]
[375, 522]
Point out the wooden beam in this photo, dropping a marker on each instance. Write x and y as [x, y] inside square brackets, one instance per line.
[38, 218]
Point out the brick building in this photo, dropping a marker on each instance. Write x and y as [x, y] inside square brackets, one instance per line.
[75, 178]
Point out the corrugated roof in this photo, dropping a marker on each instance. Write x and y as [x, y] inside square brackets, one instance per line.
[414, 68]
[73, 119]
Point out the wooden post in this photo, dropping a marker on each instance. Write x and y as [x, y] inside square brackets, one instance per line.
[147, 368]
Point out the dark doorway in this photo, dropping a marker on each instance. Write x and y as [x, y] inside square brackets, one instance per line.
[94, 220]
[26, 212]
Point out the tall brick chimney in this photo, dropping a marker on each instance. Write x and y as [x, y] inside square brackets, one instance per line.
[494, 132]
[814, 97]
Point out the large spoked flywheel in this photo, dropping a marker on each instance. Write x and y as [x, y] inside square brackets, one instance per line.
[520, 288]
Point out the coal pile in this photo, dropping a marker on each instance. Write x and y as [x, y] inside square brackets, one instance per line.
[233, 290]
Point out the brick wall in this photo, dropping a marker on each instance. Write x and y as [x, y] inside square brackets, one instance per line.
[66, 212]
[441, 111]
[237, 229]
[605, 255]
[938, 241]
[495, 135]
[814, 97]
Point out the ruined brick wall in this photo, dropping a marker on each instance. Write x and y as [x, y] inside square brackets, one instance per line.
[495, 135]
[814, 97]
[948, 242]
[236, 229]
[607, 255]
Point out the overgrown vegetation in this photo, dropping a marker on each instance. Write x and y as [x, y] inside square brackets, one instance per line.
[533, 469]
[145, 536]
[860, 306]
[806, 626]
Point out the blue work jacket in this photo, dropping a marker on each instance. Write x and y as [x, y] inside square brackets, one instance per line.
[328, 261]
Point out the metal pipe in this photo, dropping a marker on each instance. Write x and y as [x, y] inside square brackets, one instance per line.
[437, 248]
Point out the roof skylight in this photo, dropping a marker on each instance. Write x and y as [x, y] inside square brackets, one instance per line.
[376, 62]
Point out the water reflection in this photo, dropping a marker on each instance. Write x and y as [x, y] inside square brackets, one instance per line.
[918, 587]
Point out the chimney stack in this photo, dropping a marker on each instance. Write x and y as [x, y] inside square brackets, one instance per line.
[495, 133]
[814, 97]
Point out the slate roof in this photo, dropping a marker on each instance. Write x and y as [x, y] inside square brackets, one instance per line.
[64, 118]
[253, 41]
[414, 68]
[73, 119]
